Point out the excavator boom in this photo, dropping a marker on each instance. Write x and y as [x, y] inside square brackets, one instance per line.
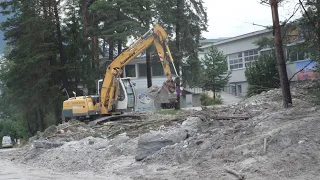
[157, 35]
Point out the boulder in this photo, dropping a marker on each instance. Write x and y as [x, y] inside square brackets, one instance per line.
[192, 125]
[152, 142]
[46, 144]
[120, 139]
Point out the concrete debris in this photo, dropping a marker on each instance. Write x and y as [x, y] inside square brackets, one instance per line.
[151, 142]
[192, 125]
[46, 144]
[256, 138]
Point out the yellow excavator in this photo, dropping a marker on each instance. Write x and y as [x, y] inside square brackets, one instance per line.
[116, 95]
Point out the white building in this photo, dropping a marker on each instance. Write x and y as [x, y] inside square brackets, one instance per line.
[239, 51]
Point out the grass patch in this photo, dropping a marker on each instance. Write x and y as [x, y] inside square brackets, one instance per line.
[206, 100]
[168, 111]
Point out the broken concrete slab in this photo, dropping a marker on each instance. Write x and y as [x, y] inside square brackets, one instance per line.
[152, 142]
[46, 144]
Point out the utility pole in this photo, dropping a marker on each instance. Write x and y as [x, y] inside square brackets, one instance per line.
[285, 86]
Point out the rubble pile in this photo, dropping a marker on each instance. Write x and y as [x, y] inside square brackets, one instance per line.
[73, 130]
[254, 139]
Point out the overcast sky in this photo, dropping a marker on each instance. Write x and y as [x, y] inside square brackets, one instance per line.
[227, 18]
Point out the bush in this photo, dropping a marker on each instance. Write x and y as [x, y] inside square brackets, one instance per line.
[206, 100]
[262, 74]
[13, 129]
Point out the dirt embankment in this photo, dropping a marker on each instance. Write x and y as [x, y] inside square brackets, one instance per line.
[255, 139]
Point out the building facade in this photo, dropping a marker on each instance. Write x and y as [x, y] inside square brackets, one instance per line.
[241, 50]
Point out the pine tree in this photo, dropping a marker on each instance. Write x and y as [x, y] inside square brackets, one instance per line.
[216, 74]
[31, 72]
[185, 20]
[77, 51]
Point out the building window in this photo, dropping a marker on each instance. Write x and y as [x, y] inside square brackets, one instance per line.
[239, 89]
[157, 69]
[249, 56]
[142, 70]
[235, 61]
[297, 55]
[130, 70]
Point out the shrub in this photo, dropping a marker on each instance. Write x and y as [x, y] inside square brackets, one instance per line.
[206, 100]
[262, 74]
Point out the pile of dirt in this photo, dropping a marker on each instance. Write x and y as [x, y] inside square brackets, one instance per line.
[73, 130]
[256, 138]
[89, 153]
[275, 143]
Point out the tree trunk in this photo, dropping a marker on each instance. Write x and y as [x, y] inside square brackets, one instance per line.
[42, 120]
[61, 51]
[84, 17]
[37, 121]
[104, 48]
[111, 47]
[280, 56]
[148, 57]
[57, 113]
[148, 63]
[119, 52]
[119, 47]
[95, 51]
[214, 93]
[180, 5]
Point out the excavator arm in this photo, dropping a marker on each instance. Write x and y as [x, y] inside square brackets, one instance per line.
[110, 90]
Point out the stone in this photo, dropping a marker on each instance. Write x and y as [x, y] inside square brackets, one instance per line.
[46, 144]
[152, 142]
[192, 125]
[120, 139]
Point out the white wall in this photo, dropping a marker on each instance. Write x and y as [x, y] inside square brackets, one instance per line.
[236, 46]
[142, 82]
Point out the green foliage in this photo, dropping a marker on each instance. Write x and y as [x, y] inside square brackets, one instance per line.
[14, 129]
[32, 73]
[264, 42]
[206, 100]
[77, 51]
[216, 74]
[189, 21]
[262, 74]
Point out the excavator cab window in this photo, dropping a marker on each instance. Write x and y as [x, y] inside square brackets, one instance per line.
[121, 95]
[130, 92]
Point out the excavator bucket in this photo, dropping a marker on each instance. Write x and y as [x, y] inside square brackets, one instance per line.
[163, 94]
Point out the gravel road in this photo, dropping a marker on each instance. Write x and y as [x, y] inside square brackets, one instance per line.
[10, 170]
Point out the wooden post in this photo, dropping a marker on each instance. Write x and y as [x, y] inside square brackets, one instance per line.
[280, 56]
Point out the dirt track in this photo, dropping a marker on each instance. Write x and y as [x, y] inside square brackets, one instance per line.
[14, 170]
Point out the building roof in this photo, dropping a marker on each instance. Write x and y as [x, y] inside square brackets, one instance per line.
[212, 40]
[243, 36]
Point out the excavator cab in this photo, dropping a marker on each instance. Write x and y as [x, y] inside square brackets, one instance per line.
[127, 97]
